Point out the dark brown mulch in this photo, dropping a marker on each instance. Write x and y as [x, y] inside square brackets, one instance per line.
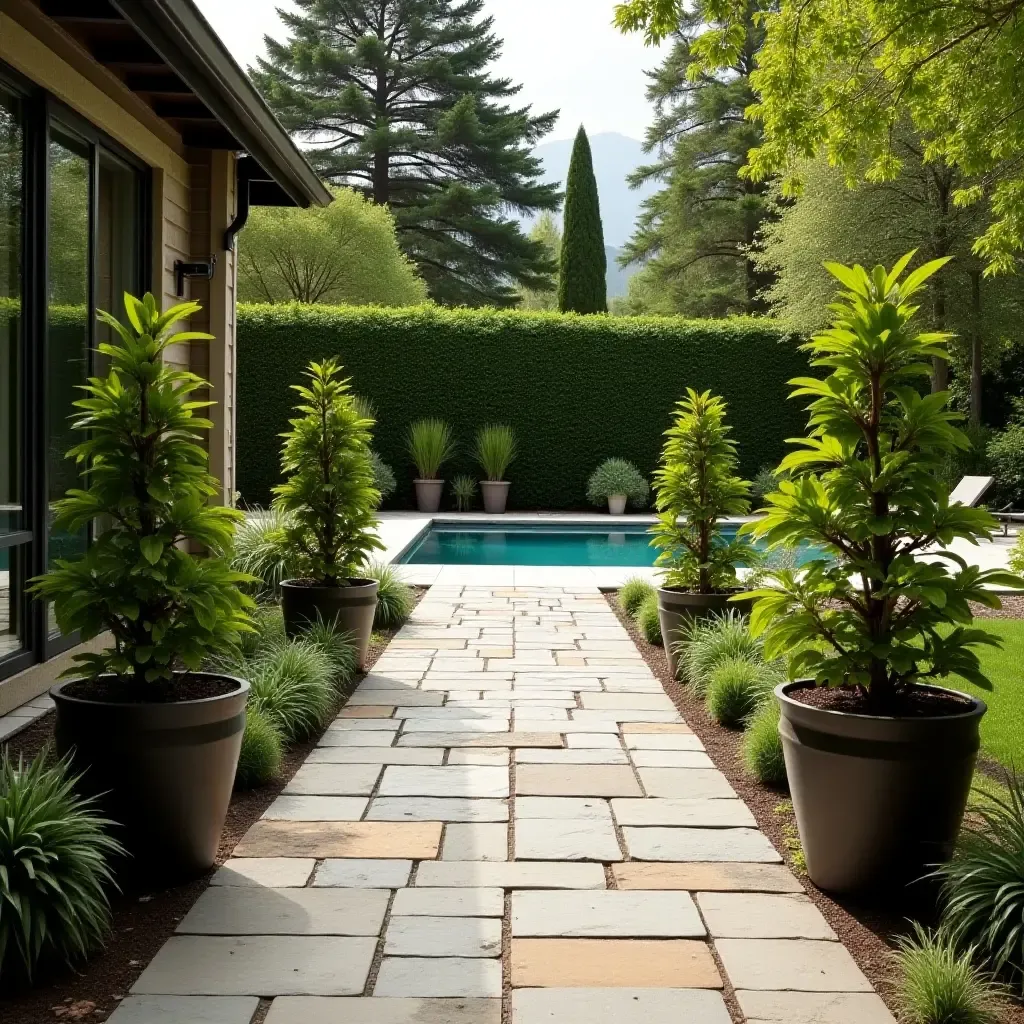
[916, 704]
[142, 918]
[1012, 608]
[866, 931]
[125, 691]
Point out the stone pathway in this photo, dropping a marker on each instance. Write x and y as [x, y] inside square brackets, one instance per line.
[509, 821]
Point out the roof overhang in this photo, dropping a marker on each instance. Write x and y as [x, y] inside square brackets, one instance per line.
[166, 53]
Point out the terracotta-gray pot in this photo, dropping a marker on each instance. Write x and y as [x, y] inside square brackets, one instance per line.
[495, 495]
[677, 608]
[351, 608]
[616, 504]
[428, 494]
[877, 800]
[163, 772]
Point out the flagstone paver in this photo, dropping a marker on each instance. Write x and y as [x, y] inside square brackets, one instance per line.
[505, 714]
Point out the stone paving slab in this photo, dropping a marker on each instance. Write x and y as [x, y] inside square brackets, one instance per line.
[362, 725]
[801, 965]
[575, 780]
[613, 963]
[662, 741]
[438, 976]
[392, 840]
[316, 808]
[705, 844]
[262, 965]
[247, 910]
[362, 738]
[562, 807]
[494, 757]
[686, 783]
[605, 914]
[275, 872]
[177, 1009]
[367, 711]
[569, 839]
[449, 902]
[593, 740]
[609, 755]
[511, 875]
[314, 1010]
[537, 738]
[373, 755]
[334, 780]
[671, 759]
[355, 873]
[436, 808]
[618, 1006]
[696, 876]
[447, 781]
[744, 915]
[692, 813]
[813, 1008]
[443, 936]
[475, 841]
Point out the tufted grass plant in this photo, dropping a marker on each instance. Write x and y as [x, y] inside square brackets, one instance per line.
[647, 620]
[464, 492]
[496, 447]
[761, 747]
[394, 596]
[983, 885]
[268, 632]
[337, 646]
[941, 983]
[54, 868]
[259, 549]
[292, 685]
[262, 750]
[708, 642]
[736, 689]
[633, 593]
[430, 444]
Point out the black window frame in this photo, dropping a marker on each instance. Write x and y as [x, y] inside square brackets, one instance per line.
[41, 110]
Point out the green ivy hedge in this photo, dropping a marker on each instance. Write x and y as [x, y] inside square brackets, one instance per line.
[576, 389]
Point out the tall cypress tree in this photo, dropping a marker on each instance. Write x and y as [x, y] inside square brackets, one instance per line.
[395, 99]
[582, 287]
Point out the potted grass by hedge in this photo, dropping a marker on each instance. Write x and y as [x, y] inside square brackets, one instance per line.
[879, 757]
[695, 487]
[142, 724]
[495, 449]
[617, 482]
[328, 502]
[430, 445]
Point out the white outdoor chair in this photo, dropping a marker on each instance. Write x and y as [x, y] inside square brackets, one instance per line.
[970, 490]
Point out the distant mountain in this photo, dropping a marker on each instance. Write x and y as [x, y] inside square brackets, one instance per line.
[616, 278]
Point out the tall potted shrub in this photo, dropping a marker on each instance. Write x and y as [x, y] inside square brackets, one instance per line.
[430, 446]
[495, 449]
[879, 757]
[143, 724]
[696, 486]
[329, 500]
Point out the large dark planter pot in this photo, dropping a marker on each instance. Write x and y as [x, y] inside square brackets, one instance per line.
[162, 771]
[428, 494]
[351, 608]
[495, 495]
[877, 800]
[678, 607]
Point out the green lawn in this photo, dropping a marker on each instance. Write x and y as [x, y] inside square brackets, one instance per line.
[1002, 729]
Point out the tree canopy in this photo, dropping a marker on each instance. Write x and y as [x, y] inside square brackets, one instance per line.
[582, 266]
[395, 98]
[343, 253]
[838, 77]
[548, 232]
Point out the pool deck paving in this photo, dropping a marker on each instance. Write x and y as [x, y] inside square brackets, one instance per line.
[509, 822]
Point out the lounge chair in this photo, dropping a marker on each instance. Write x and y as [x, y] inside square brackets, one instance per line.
[1007, 516]
[970, 490]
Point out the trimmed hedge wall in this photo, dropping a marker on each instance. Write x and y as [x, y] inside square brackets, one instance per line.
[576, 389]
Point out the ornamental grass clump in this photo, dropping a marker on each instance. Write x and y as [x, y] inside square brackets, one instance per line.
[648, 621]
[394, 596]
[761, 747]
[430, 444]
[464, 492]
[328, 497]
[293, 686]
[633, 593]
[736, 689]
[617, 477]
[496, 448]
[865, 488]
[55, 858]
[148, 493]
[259, 761]
[260, 550]
[709, 642]
[695, 487]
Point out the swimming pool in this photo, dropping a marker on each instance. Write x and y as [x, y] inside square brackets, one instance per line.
[620, 544]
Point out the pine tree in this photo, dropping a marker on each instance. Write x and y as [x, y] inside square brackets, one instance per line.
[693, 236]
[395, 99]
[582, 268]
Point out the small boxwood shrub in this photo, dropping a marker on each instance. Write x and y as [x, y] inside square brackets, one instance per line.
[735, 689]
[761, 748]
[647, 620]
[633, 593]
[568, 385]
[617, 476]
[260, 759]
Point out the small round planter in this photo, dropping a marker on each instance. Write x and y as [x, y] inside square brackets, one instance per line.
[495, 495]
[877, 800]
[616, 504]
[428, 494]
[678, 607]
[164, 772]
[350, 608]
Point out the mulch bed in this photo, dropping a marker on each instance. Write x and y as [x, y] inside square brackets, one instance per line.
[142, 918]
[866, 931]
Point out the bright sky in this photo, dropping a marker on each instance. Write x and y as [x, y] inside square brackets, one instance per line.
[565, 53]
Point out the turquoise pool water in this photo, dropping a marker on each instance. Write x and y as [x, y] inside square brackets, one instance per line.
[626, 544]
